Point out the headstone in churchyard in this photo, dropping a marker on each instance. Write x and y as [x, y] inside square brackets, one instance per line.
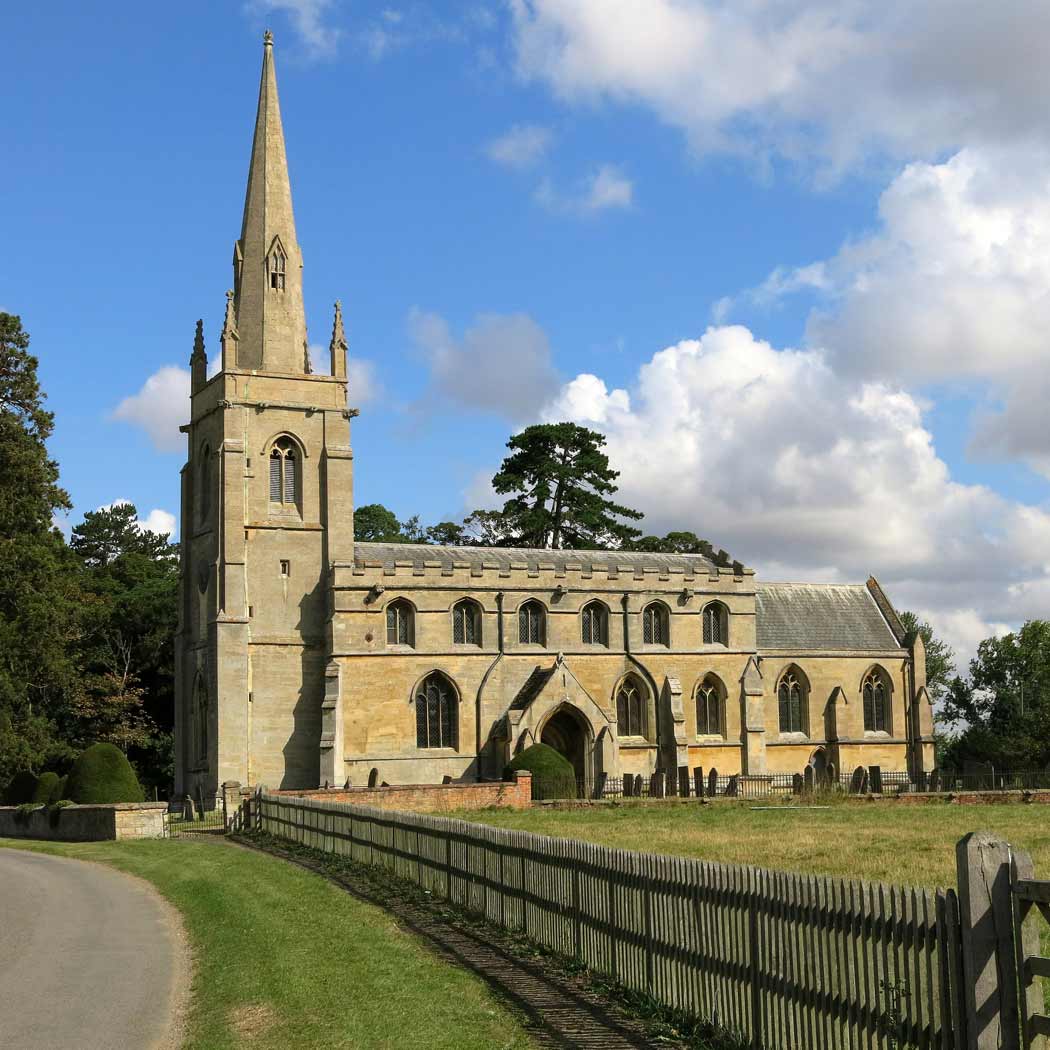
[670, 781]
[858, 781]
[809, 780]
[346, 786]
[978, 776]
[373, 777]
[921, 782]
[189, 810]
[446, 779]
[875, 779]
[831, 777]
[683, 781]
[796, 784]
[935, 780]
[733, 787]
[628, 785]
[638, 785]
[656, 784]
[698, 781]
[712, 783]
[599, 784]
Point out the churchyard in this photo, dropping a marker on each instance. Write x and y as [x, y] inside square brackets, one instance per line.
[882, 841]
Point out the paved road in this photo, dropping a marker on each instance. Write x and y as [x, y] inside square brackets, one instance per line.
[88, 957]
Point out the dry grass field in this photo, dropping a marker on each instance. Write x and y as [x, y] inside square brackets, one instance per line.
[910, 845]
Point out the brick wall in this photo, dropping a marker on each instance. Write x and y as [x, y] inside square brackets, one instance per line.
[121, 820]
[433, 798]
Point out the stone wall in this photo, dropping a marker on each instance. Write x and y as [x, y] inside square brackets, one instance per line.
[121, 820]
[433, 798]
[971, 798]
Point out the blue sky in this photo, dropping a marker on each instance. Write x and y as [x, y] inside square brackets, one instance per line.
[796, 269]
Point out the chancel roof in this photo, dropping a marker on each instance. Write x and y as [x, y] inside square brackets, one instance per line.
[820, 616]
[420, 555]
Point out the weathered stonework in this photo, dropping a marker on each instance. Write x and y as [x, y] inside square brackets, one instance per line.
[101, 823]
[285, 676]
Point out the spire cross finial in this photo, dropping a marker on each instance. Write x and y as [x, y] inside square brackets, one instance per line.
[267, 39]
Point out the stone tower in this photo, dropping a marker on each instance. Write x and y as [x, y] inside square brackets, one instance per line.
[266, 508]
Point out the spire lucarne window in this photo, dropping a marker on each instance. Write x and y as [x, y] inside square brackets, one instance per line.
[277, 266]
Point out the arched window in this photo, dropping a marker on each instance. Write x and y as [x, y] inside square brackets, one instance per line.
[876, 702]
[204, 485]
[277, 268]
[466, 623]
[400, 623]
[710, 708]
[594, 624]
[791, 695]
[716, 624]
[436, 712]
[532, 623]
[631, 707]
[284, 472]
[655, 630]
[199, 719]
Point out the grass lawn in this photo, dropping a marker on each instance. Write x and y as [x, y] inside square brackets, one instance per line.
[913, 845]
[285, 959]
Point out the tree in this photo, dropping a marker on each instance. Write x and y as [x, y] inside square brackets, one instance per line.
[38, 581]
[561, 480]
[940, 658]
[111, 532]
[374, 523]
[448, 534]
[673, 543]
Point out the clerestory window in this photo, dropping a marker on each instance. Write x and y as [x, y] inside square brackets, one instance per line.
[716, 624]
[655, 627]
[400, 623]
[532, 624]
[594, 626]
[466, 623]
[791, 698]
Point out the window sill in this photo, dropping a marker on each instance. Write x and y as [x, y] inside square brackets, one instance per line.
[400, 647]
[713, 739]
[439, 752]
[636, 742]
[793, 738]
[876, 734]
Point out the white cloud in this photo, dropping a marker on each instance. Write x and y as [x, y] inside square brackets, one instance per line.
[157, 520]
[606, 187]
[952, 285]
[825, 79]
[502, 364]
[523, 146]
[309, 19]
[160, 407]
[364, 385]
[802, 472]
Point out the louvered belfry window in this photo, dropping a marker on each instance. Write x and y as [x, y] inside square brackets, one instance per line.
[716, 624]
[630, 707]
[466, 623]
[531, 625]
[400, 623]
[709, 707]
[654, 625]
[284, 464]
[595, 624]
[876, 714]
[436, 712]
[791, 696]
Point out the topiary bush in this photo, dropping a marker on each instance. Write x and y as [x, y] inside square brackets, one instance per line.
[553, 775]
[20, 789]
[60, 791]
[46, 784]
[102, 774]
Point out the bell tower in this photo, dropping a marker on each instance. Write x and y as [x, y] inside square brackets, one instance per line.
[267, 508]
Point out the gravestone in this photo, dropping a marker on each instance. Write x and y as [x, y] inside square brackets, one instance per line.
[446, 779]
[921, 783]
[712, 783]
[875, 779]
[656, 784]
[733, 787]
[346, 786]
[831, 777]
[599, 784]
[698, 781]
[858, 782]
[978, 776]
[627, 785]
[796, 784]
[935, 780]
[683, 781]
[809, 780]
[189, 810]
[373, 778]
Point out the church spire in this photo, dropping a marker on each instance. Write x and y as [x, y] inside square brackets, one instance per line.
[267, 264]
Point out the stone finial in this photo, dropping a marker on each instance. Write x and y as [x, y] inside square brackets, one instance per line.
[267, 39]
[308, 367]
[338, 347]
[228, 338]
[198, 360]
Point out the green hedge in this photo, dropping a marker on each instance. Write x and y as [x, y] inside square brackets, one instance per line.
[553, 775]
[46, 785]
[102, 774]
[20, 789]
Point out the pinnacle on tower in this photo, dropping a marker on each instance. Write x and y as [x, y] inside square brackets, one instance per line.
[338, 346]
[267, 263]
[198, 360]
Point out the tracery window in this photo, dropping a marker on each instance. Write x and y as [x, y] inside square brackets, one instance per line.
[594, 625]
[436, 712]
[876, 702]
[466, 623]
[631, 707]
[400, 623]
[532, 623]
[655, 627]
[277, 268]
[284, 472]
[716, 624]
[710, 707]
[791, 695]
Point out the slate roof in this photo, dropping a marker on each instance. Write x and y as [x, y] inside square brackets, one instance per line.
[532, 687]
[820, 616]
[420, 555]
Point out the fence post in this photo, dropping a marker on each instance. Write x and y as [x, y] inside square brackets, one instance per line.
[989, 967]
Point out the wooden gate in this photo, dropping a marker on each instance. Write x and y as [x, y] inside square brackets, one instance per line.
[1030, 896]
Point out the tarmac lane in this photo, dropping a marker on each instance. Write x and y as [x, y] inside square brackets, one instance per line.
[89, 957]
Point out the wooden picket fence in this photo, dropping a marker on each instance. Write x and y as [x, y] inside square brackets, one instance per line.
[788, 961]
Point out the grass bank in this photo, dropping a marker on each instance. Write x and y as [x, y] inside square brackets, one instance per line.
[912, 845]
[284, 958]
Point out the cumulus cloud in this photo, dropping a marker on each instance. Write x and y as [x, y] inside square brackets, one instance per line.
[502, 364]
[830, 79]
[523, 146]
[160, 407]
[606, 187]
[805, 473]
[157, 520]
[309, 19]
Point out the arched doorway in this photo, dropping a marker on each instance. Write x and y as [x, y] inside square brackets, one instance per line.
[569, 734]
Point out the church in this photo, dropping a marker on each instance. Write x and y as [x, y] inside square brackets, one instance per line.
[304, 658]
